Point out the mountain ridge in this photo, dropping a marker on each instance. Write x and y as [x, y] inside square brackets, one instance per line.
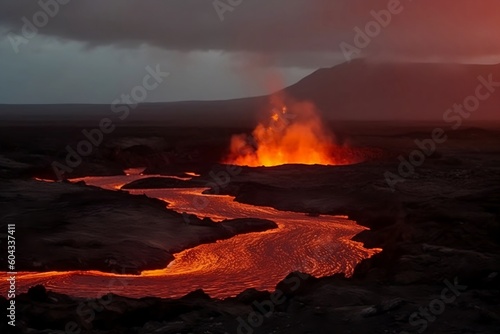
[358, 90]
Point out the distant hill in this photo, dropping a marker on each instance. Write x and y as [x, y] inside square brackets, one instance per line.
[358, 90]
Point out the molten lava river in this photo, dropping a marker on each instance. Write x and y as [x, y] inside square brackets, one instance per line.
[318, 246]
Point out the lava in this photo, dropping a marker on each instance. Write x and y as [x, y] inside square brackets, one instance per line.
[319, 246]
[293, 134]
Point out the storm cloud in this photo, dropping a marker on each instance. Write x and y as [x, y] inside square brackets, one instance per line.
[424, 29]
[293, 37]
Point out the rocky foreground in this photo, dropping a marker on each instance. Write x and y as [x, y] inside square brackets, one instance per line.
[64, 226]
[438, 272]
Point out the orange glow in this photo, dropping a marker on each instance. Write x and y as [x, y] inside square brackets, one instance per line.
[43, 180]
[134, 171]
[291, 135]
[317, 245]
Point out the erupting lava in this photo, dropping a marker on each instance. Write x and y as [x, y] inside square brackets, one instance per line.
[292, 135]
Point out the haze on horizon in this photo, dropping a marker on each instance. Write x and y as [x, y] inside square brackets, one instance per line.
[92, 51]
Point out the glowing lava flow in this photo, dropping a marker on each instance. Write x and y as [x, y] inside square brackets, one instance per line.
[291, 135]
[316, 245]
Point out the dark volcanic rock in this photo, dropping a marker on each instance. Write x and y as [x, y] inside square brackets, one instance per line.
[64, 226]
[439, 229]
[162, 182]
[247, 225]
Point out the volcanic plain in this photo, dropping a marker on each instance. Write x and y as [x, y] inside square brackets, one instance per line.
[438, 227]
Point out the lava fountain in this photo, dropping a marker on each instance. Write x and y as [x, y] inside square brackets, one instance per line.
[292, 134]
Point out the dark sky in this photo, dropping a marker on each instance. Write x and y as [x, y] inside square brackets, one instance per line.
[93, 50]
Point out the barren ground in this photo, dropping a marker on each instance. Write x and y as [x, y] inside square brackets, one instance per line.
[439, 228]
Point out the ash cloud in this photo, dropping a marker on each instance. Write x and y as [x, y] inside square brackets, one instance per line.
[289, 31]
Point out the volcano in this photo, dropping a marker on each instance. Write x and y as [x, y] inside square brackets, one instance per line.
[292, 133]
[359, 90]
